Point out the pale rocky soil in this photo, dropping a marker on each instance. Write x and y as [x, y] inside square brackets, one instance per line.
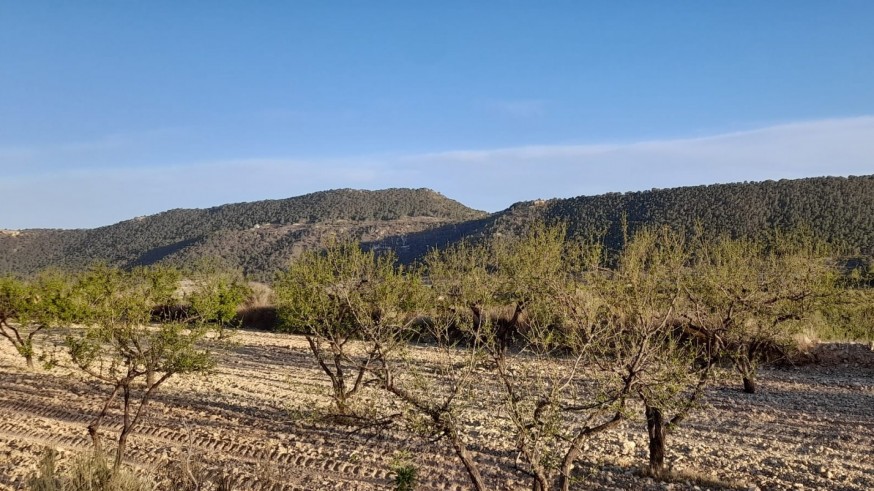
[810, 427]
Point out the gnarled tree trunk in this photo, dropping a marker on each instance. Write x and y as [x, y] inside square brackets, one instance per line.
[655, 426]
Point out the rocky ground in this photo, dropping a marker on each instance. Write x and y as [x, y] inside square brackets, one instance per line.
[809, 427]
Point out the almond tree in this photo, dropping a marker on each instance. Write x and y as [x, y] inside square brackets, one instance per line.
[122, 349]
[354, 308]
[538, 323]
[28, 308]
[750, 296]
[564, 385]
[324, 294]
[436, 397]
[440, 395]
[644, 306]
[217, 290]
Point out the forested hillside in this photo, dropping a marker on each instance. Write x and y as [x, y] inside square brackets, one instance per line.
[262, 237]
[225, 230]
[838, 209]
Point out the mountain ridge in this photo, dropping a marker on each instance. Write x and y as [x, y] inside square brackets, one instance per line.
[263, 236]
[143, 240]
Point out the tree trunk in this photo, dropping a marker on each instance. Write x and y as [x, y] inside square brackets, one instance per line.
[749, 384]
[655, 425]
[538, 485]
[540, 476]
[94, 427]
[93, 432]
[568, 464]
[576, 447]
[125, 429]
[338, 382]
[340, 400]
[119, 452]
[29, 360]
[746, 368]
[469, 465]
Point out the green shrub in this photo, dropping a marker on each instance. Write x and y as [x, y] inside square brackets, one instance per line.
[405, 472]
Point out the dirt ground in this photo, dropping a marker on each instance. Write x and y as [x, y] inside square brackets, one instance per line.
[809, 427]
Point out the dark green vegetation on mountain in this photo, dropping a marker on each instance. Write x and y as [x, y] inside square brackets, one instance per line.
[261, 237]
[837, 209]
[840, 210]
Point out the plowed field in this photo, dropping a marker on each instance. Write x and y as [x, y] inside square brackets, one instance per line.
[810, 427]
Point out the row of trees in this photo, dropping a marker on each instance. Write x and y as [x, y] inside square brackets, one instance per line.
[568, 339]
[129, 330]
[572, 337]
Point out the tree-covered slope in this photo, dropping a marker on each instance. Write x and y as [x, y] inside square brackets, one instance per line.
[837, 209]
[145, 240]
[262, 237]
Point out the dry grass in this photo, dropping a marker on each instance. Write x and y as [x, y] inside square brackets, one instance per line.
[88, 471]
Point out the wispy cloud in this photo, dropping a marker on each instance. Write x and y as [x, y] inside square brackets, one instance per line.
[103, 151]
[493, 178]
[530, 152]
[489, 179]
[89, 197]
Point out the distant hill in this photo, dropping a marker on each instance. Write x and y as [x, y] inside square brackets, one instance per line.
[262, 237]
[838, 209]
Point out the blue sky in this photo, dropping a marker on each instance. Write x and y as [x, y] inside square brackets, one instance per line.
[110, 110]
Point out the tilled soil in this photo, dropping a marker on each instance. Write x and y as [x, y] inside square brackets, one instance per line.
[809, 427]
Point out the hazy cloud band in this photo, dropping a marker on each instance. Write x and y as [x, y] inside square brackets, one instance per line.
[490, 179]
